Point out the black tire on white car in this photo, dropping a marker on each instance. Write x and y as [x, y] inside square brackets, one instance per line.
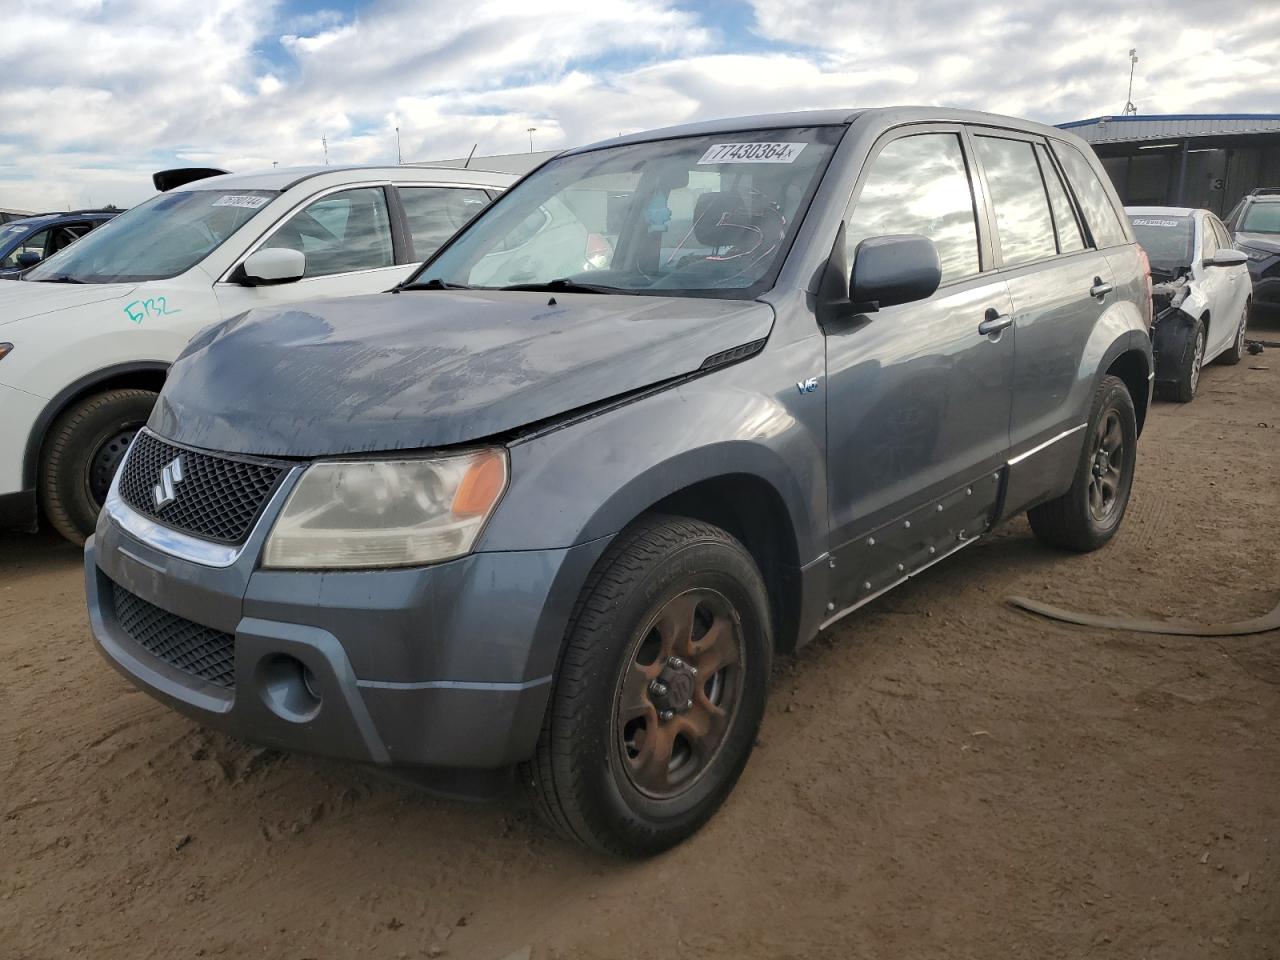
[1235, 353]
[81, 453]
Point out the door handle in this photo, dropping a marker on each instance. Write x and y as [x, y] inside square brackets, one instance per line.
[995, 322]
[1099, 288]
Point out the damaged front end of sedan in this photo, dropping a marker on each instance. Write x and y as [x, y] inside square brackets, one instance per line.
[1177, 332]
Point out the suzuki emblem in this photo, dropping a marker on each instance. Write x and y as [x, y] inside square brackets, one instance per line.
[164, 493]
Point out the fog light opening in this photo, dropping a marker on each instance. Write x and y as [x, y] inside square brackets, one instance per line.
[289, 688]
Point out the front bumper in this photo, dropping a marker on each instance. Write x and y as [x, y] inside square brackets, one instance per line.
[443, 666]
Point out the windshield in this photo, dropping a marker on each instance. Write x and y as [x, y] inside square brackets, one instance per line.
[1262, 218]
[695, 216]
[1167, 240]
[156, 240]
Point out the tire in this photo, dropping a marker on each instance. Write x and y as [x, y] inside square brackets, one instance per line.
[81, 452]
[1235, 353]
[1183, 389]
[1075, 520]
[598, 774]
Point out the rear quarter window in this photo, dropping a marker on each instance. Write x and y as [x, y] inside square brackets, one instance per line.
[1095, 203]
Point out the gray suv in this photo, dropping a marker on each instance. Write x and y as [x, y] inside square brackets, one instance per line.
[554, 504]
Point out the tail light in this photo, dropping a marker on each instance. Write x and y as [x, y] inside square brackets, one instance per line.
[1145, 262]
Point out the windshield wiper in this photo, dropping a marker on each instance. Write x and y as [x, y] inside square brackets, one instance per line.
[565, 285]
[60, 278]
[435, 283]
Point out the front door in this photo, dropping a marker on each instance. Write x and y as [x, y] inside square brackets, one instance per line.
[918, 397]
[347, 240]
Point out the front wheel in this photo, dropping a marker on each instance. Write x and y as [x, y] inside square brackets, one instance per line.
[84, 448]
[1183, 388]
[1089, 514]
[659, 692]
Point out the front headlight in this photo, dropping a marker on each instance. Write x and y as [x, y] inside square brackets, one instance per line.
[387, 513]
[1253, 253]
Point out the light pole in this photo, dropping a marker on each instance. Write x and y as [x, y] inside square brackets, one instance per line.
[531, 131]
[1129, 108]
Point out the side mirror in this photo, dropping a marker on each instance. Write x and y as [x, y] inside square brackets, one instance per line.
[900, 268]
[272, 265]
[28, 258]
[1227, 258]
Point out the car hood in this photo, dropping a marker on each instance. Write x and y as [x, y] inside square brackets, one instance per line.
[431, 369]
[1260, 241]
[20, 299]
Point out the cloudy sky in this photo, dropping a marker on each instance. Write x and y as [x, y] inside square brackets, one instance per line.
[96, 94]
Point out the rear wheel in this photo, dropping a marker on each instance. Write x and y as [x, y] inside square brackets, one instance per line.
[1089, 514]
[659, 692]
[1235, 353]
[84, 448]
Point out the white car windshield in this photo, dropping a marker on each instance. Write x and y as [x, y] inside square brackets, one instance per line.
[692, 216]
[161, 238]
[1167, 241]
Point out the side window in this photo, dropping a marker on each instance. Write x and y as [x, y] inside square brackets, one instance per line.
[67, 235]
[1224, 238]
[920, 184]
[32, 244]
[436, 213]
[1018, 196]
[340, 233]
[1064, 218]
[1208, 239]
[1092, 196]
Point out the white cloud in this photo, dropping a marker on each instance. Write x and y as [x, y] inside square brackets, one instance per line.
[99, 95]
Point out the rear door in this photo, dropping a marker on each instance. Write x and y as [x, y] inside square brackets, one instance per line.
[1060, 283]
[917, 396]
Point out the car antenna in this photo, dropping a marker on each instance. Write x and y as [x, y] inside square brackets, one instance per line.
[470, 155]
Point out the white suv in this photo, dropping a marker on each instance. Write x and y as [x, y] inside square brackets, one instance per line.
[87, 335]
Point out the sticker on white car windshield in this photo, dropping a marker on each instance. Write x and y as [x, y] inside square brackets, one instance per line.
[1143, 222]
[752, 153]
[241, 200]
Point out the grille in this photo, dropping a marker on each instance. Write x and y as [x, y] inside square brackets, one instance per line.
[200, 651]
[217, 498]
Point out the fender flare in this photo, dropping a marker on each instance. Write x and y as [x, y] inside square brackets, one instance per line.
[60, 401]
[1136, 343]
[688, 468]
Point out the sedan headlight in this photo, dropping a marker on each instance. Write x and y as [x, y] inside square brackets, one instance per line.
[1253, 253]
[387, 513]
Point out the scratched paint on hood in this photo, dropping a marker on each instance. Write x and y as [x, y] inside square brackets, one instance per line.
[433, 368]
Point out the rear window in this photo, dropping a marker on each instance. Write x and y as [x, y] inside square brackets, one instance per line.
[1095, 203]
[1167, 240]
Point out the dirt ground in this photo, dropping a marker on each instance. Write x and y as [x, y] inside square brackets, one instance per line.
[940, 776]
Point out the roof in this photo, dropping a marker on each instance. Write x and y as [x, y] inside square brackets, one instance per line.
[37, 219]
[282, 178]
[517, 163]
[1176, 125]
[823, 118]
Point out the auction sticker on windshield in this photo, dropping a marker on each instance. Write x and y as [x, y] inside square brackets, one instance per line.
[240, 200]
[1144, 222]
[752, 153]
